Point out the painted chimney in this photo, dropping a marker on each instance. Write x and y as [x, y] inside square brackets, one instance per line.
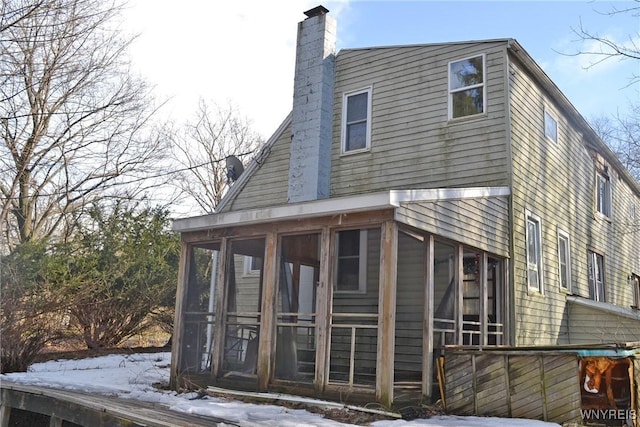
[310, 150]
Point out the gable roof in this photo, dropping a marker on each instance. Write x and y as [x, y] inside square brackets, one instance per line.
[591, 139]
[253, 166]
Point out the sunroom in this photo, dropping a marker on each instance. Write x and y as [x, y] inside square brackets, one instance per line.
[350, 298]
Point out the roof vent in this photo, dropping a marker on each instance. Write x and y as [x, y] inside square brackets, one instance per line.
[316, 11]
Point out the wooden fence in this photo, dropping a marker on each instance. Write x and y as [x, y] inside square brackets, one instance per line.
[538, 383]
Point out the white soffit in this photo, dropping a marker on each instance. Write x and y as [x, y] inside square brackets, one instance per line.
[334, 206]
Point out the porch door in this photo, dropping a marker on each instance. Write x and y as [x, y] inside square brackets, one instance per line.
[243, 306]
[196, 339]
[296, 307]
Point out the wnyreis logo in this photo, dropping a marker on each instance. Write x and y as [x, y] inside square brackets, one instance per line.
[608, 414]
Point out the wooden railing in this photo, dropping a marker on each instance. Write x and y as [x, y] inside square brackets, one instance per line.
[353, 326]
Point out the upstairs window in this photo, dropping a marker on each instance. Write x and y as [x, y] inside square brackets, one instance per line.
[534, 253]
[596, 276]
[466, 87]
[603, 194]
[356, 121]
[564, 261]
[351, 275]
[550, 127]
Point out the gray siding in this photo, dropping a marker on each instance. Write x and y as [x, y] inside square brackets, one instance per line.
[588, 326]
[413, 144]
[481, 223]
[555, 181]
[268, 185]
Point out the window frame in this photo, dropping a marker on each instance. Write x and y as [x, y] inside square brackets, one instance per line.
[563, 235]
[603, 205]
[343, 138]
[248, 269]
[530, 217]
[362, 263]
[483, 85]
[635, 283]
[549, 117]
[592, 260]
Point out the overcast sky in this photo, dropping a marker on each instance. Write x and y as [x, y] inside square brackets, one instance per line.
[243, 51]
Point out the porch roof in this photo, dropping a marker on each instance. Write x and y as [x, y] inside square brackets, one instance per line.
[616, 310]
[333, 206]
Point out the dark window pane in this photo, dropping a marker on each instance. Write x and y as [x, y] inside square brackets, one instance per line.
[467, 102]
[356, 136]
[348, 273]
[349, 243]
[357, 107]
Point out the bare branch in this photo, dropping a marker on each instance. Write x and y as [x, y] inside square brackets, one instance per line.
[202, 148]
[74, 123]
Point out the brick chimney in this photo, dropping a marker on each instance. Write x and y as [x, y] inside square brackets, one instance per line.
[310, 150]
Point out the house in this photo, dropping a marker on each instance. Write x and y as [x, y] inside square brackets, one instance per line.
[417, 196]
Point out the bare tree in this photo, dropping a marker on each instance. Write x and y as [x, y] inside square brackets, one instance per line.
[73, 120]
[606, 48]
[620, 132]
[622, 135]
[202, 148]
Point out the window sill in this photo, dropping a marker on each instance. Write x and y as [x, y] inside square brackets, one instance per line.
[474, 117]
[354, 152]
[603, 217]
[535, 293]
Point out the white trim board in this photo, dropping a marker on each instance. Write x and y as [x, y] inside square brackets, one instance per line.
[332, 206]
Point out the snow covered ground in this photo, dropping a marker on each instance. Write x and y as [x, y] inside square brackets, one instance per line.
[132, 376]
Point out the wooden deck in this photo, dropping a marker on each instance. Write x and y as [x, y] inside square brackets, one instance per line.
[70, 408]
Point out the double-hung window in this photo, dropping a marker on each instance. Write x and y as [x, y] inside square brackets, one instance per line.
[467, 87]
[596, 276]
[534, 253]
[564, 261]
[356, 121]
[603, 194]
[351, 275]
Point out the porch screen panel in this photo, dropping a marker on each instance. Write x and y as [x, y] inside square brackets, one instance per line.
[410, 310]
[299, 272]
[197, 334]
[243, 305]
[444, 298]
[471, 298]
[354, 309]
